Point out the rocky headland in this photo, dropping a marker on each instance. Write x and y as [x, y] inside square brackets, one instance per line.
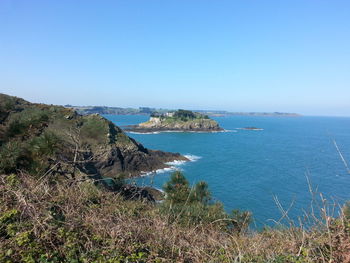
[41, 138]
[180, 121]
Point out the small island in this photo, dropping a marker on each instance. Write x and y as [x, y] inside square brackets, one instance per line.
[180, 120]
[251, 129]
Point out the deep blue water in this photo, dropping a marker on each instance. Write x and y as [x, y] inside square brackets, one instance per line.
[245, 169]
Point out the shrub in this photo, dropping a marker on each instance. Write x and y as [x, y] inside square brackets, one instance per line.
[30, 156]
[14, 155]
[240, 220]
[193, 206]
[94, 128]
[177, 189]
[15, 127]
[184, 115]
[201, 192]
[190, 206]
[45, 145]
[22, 121]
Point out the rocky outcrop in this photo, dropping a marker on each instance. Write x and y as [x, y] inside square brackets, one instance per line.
[46, 138]
[191, 122]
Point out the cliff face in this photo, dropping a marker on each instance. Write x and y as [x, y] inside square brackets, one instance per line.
[41, 138]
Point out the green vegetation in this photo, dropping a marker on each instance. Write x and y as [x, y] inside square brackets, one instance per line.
[37, 139]
[26, 120]
[26, 142]
[180, 120]
[180, 115]
[55, 206]
[94, 129]
[42, 220]
[192, 206]
[184, 115]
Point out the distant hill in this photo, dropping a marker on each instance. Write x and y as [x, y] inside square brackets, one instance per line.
[148, 111]
[114, 110]
[227, 113]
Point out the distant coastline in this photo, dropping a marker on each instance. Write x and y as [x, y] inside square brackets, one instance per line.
[148, 111]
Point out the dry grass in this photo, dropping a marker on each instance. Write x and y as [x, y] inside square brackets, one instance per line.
[51, 221]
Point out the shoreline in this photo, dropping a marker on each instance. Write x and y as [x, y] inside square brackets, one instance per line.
[138, 130]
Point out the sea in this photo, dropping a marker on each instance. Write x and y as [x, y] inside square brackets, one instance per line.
[281, 173]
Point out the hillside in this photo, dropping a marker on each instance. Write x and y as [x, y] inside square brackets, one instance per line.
[38, 138]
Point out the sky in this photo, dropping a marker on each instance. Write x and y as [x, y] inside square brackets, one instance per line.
[236, 55]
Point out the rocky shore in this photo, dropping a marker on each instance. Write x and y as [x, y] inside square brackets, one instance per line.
[138, 129]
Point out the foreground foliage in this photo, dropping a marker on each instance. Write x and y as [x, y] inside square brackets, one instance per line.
[47, 220]
[192, 206]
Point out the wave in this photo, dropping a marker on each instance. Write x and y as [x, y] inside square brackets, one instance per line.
[161, 171]
[143, 132]
[176, 162]
[192, 158]
[173, 166]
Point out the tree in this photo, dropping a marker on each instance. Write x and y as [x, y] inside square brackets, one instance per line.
[201, 192]
[177, 189]
[192, 206]
[184, 114]
[240, 220]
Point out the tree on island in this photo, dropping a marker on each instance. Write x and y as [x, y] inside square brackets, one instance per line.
[184, 114]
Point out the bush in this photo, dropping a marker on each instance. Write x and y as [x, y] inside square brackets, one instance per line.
[193, 206]
[184, 115]
[45, 145]
[15, 127]
[30, 156]
[26, 119]
[240, 220]
[14, 155]
[94, 128]
[177, 189]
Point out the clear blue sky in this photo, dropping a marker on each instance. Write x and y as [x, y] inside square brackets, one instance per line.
[247, 55]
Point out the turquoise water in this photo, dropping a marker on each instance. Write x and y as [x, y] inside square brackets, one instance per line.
[245, 169]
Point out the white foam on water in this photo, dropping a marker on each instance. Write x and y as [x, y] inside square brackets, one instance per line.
[180, 131]
[173, 166]
[176, 162]
[192, 158]
[161, 171]
[143, 132]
